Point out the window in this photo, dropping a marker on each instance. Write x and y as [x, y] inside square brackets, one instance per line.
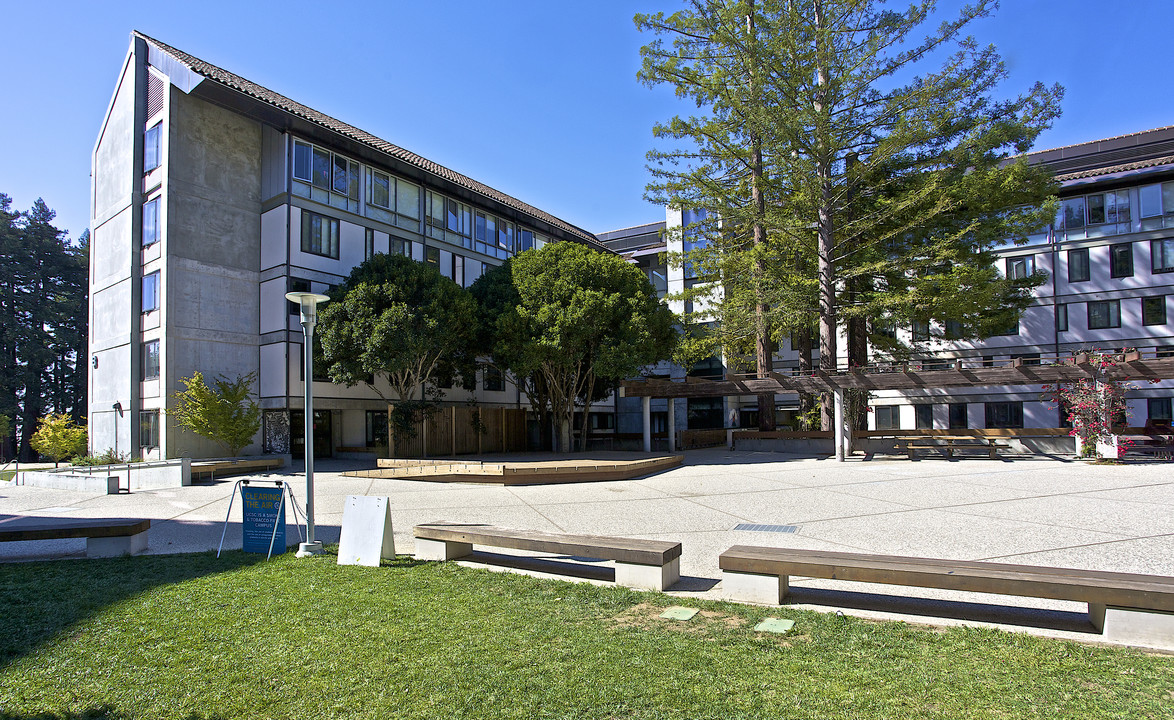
[150, 292]
[1027, 358]
[954, 330]
[1062, 317]
[152, 148]
[1071, 214]
[988, 360]
[1012, 328]
[1018, 267]
[1078, 268]
[958, 416]
[432, 256]
[149, 429]
[526, 240]
[601, 421]
[493, 382]
[320, 169]
[1004, 414]
[923, 414]
[885, 328]
[345, 177]
[1104, 314]
[1121, 260]
[149, 369]
[704, 413]
[888, 417]
[1159, 409]
[368, 244]
[920, 330]
[381, 191]
[1153, 310]
[302, 161]
[151, 222]
[376, 428]
[1163, 255]
[1157, 200]
[319, 235]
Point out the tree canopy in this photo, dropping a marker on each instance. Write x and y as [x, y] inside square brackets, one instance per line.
[859, 168]
[58, 437]
[402, 320]
[225, 414]
[575, 318]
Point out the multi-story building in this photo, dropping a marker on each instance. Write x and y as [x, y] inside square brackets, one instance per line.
[1109, 261]
[211, 198]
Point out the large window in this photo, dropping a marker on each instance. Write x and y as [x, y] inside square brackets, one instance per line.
[919, 330]
[345, 177]
[958, 416]
[888, 417]
[1004, 414]
[376, 428]
[1104, 314]
[312, 164]
[150, 292]
[387, 192]
[1163, 255]
[149, 429]
[1159, 410]
[149, 368]
[319, 234]
[923, 416]
[1153, 310]
[1121, 260]
[152, 148]
[151, 222]
[1078, 268]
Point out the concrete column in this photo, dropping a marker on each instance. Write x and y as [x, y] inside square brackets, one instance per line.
[646, 418]
[672, 425]
[838, 422]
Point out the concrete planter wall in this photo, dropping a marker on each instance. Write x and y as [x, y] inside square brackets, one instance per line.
[110, 478]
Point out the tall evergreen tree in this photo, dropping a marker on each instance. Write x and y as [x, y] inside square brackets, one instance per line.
[896, 177]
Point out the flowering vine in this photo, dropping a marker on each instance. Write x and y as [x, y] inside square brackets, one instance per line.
[1092, 404]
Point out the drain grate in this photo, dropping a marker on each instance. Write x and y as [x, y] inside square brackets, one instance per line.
[767, 528]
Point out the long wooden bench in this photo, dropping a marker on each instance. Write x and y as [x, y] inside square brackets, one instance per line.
[642, 564]
[1128, 608]
[949, 444]
[105, 537]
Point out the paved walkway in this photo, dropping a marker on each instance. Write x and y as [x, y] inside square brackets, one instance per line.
[1033, 511]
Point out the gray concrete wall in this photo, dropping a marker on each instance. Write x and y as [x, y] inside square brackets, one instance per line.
[213, 195]
[111, 255]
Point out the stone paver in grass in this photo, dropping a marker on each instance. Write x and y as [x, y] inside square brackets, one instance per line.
[676, 612]
[781, 626]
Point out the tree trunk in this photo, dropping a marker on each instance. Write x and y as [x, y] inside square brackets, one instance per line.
[763, 360]
[806, 402]
[826, 227]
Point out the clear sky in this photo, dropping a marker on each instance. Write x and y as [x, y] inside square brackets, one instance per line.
[538, 99]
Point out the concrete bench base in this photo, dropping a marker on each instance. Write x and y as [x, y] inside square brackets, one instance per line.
[648, 577]
[1134, 627]
[101, 547]
[441, 549]
[752, 588]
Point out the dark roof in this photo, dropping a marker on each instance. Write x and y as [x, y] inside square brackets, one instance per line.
[281, 102]
[1138, 150]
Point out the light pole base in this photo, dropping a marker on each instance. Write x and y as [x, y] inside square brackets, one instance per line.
[309, 549]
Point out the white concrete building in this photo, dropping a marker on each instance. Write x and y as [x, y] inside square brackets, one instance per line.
[211, 198]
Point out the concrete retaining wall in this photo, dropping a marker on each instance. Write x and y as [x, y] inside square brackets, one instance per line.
[139, 476]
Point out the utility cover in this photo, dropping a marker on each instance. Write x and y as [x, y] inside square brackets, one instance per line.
[677, 612]
[775, 625]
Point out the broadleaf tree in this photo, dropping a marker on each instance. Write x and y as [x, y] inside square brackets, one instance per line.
[58, 437]
[224, 412]
[583, 321]
[401, 320]
[889, 158]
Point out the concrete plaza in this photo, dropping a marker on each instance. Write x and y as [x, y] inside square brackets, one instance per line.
[1034, 510]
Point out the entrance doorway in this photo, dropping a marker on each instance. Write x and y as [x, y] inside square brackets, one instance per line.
[323, 434]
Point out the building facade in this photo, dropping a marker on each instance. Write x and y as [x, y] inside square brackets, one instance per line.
[1109, 262]
[212, 197]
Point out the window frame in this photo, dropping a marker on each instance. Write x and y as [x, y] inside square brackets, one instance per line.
[955, 409]
[920, 411]
[148, 429]
[1121, 264]
[1113, 313]
[892, 414]
[1150, 318]
[149, 280]
[146, 363]
[1162, 249]
[1019, 263]
[1061, 317]
[1152, 403]
[151, 210]
[1081, 253]
[152, 147]
[492, 379]
[1012, 409]
[308, 241]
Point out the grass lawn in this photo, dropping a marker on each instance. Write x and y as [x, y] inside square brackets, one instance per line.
[190, 636]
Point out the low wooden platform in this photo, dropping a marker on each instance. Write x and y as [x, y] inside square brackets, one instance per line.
[105, 537]
[212, 469]
[642, 564]
[593, 468]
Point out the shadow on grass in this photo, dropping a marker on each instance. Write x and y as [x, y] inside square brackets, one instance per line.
[98, 712]
[43, 600]
[1068, 621]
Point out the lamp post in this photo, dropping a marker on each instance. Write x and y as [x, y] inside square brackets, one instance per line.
[308, 302]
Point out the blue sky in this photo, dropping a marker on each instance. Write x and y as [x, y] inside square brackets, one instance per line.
[537, 99]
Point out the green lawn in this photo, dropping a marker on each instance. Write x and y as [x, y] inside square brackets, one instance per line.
[190, 636]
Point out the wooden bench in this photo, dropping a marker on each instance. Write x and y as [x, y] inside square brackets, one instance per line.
[641, 564]
[105, 537]
[947, 444]
[1128, 608]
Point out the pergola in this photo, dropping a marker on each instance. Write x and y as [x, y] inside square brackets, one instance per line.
[1134, 365]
